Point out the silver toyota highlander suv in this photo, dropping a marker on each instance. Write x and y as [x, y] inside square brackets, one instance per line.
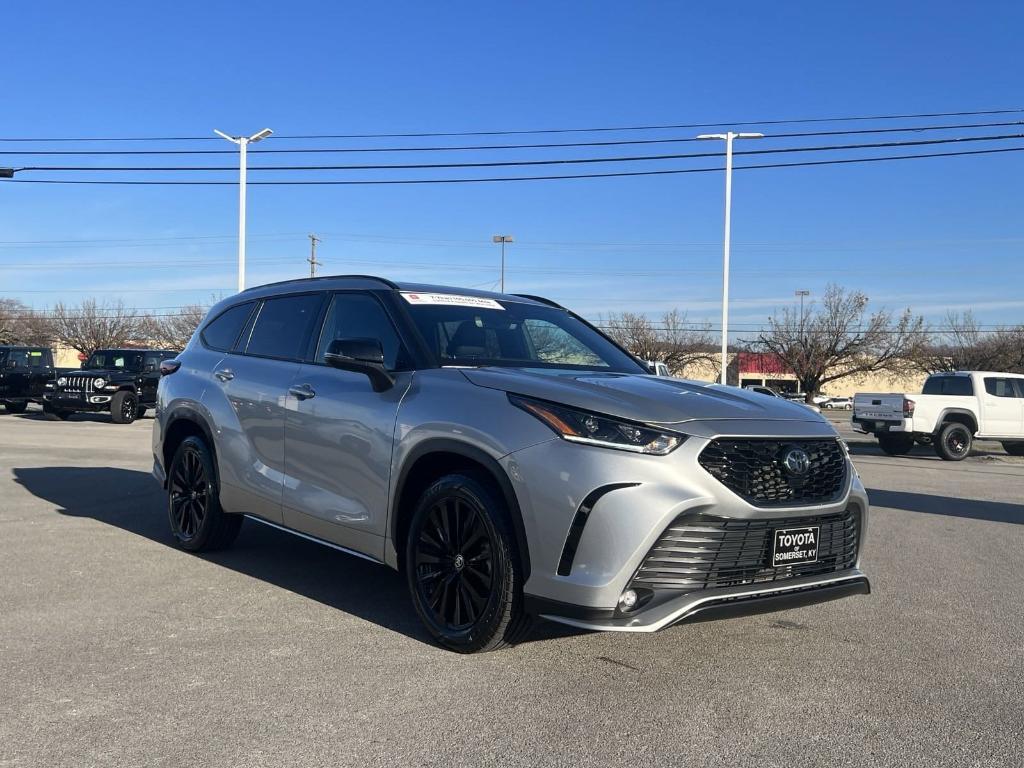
[504, 454]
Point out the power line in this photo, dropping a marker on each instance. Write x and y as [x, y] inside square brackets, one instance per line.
[528, 163]
[489, 147]
[492, 179]
[601, 129]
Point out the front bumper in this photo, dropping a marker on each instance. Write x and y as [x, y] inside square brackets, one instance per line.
[642, 497]
[87, 402]
[711, 604]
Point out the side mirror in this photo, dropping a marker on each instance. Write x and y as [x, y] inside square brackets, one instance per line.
[365, 356]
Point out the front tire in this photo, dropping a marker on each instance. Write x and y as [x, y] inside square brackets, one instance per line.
[462, 567]
[124, 407]
[954, 442]
[193, 500]
[17, 406]
[896, 444]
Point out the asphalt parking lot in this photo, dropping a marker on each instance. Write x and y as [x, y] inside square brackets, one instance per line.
[120, 650]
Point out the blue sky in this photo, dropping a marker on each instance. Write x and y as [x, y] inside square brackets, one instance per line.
[929, 234]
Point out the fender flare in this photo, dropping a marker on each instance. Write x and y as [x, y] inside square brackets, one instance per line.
[959, 412]
[191, 416]
[471, 452]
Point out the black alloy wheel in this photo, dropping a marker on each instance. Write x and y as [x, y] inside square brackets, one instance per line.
[454, 563]
[954, 442]
[462, 566]
[124, 407]
[197, 520]
[190, 496]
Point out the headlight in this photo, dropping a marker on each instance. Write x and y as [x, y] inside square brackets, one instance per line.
[62, 381]
[99, 383]
[593, 429]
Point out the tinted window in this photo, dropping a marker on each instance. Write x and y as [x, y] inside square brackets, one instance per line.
[948, 385]
[222, 333]
[282, 326]
[18, 357]
[121, 359]
[360, 316]
[1000, 387]
[513, 334]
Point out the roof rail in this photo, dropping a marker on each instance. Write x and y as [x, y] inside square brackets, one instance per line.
[383, 280]
[539, 299]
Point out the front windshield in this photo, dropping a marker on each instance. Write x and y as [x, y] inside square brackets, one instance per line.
[485, 332]
[111, 359]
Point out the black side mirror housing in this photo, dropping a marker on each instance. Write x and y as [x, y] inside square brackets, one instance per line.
[365, 356]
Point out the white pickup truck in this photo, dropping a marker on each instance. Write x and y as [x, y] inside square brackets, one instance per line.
[952, 410]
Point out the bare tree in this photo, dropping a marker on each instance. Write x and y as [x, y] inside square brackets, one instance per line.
[20, 324]
[673, 340]
[962, 345]
[839, 339]
[92, 325]
[172, 331]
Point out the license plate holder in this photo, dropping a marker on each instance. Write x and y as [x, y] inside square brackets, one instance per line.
[795, 546]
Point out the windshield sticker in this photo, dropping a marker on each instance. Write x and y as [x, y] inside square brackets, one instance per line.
[451, 300]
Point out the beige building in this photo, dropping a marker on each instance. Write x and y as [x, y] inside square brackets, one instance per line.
[746, 369]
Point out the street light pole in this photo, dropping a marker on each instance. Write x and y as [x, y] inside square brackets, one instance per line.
[801, 294]
[502, 239]
[728, 138]
[243, 143]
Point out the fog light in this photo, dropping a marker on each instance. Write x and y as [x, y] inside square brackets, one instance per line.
[628, 600]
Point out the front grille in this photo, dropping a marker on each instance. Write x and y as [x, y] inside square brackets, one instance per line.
[754, 469]
[705, 552]
[78, 384]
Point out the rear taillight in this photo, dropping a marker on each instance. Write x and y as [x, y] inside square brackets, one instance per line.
[908, 407]
[167, 367]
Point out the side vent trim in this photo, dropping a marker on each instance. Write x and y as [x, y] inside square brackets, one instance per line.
[579, 521]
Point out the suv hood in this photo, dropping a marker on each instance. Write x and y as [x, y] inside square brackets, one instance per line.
[648, 399]
[101, 373]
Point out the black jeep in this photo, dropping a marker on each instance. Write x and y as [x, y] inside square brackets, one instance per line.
[122, 381]
[24, 372]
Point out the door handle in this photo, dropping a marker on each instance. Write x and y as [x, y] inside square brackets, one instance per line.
[302, 391]
[224, 374]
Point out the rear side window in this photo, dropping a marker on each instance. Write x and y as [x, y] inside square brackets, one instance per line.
[1000, 387]
[283, 325]
[360, 316]
[222, 333]
[948, 385]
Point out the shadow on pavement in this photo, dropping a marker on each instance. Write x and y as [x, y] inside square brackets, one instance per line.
[995, 511]
[133, 501]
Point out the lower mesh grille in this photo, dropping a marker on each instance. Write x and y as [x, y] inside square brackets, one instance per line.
[704, 552]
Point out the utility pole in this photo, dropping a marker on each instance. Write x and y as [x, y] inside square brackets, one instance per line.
[502, 239]
[313, 263]
[728, 138]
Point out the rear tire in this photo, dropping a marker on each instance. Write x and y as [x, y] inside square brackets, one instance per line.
[462, 567]
[193, 500]
[17, 406]
[953, 442]
[896, 445]
[1014, 449]
[124, 407]
[55, 414]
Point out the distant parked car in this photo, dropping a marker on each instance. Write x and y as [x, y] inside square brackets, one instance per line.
[820, 399]
[24, 372]
[121, 381]
[783, 395]
[952, 410]
[658, 368]
[838, 404]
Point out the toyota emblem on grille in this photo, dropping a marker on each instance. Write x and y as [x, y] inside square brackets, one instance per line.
[796, 461]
